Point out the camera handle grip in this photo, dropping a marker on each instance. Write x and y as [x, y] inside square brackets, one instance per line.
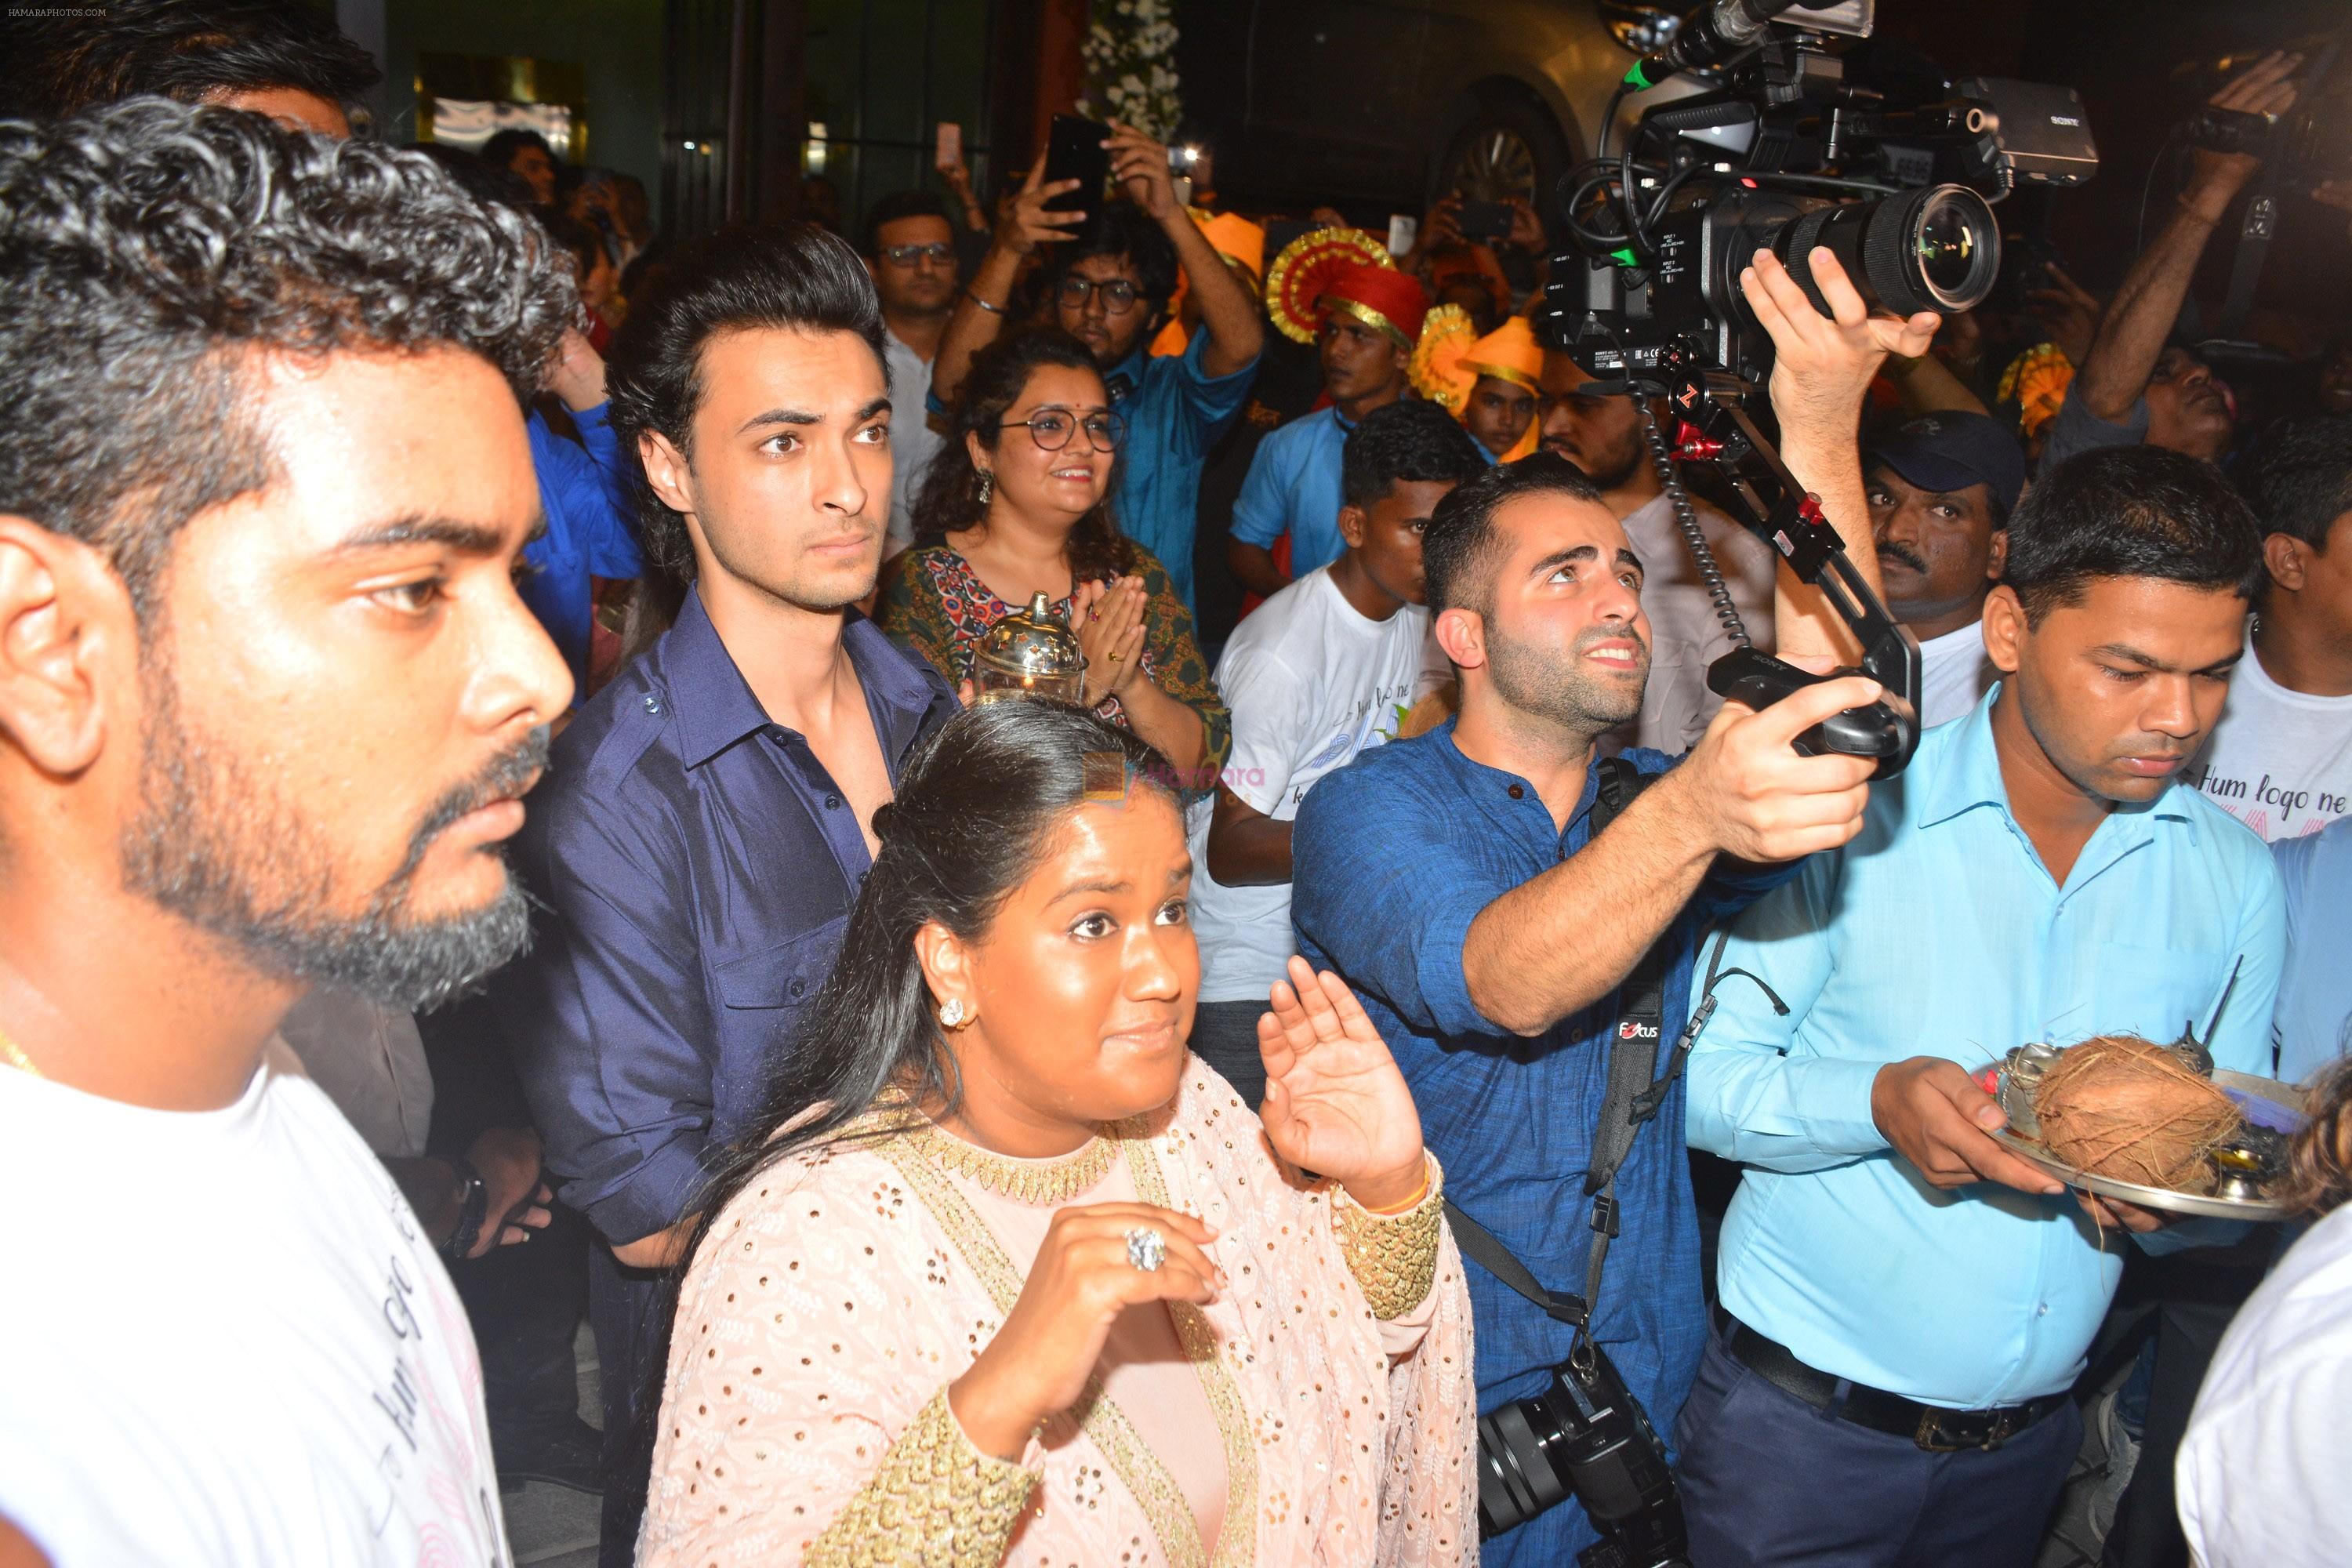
[1713, 428]
[1885, 730]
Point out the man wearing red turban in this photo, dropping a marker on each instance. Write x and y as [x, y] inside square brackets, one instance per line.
[1336, 288]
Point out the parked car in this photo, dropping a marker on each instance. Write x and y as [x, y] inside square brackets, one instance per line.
[1373, 106]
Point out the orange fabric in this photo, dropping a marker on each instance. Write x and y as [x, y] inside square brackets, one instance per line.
[1509, 353]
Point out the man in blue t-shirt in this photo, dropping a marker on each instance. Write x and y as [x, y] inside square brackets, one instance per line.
[1367, 322]
[1454, 880]
[1113, 269]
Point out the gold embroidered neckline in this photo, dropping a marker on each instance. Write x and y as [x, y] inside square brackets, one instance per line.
[1041, 1184]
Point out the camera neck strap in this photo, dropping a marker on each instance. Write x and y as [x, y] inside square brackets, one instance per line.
[1634, 1093]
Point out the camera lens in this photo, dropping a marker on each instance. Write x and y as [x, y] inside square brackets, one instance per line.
[1936, 249]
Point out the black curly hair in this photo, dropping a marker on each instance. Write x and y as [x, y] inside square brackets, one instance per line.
[151, 250]
[951, 494]
[62, 60]
[1122, 230]
[794, 277]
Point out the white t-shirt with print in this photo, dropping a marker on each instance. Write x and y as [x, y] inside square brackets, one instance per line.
[2280, 760]
[224, 1339]
[1955, 671]
[2259, 1478]
[1311, 683]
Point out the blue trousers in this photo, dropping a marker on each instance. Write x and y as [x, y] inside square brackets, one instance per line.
[1768, 1479]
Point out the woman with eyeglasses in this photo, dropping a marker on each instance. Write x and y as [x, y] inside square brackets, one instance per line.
[1006, 1276]
[1018, 503]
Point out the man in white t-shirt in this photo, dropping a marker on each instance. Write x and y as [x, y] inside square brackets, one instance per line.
[1602, 435]
[269, 704]
[1941, 489]
[2280, 761]
[910, 250]
[1326, 666]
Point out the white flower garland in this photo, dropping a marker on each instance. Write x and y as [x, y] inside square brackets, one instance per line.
[1131, 55]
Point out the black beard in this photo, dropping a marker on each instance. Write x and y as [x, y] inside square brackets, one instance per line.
[1531, 680]
[235, 859]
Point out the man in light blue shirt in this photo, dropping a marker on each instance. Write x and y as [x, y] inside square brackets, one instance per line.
[1905, 1305]
[2313, 1026]
[1369, 319]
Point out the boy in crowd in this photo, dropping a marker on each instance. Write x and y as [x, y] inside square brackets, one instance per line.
[1941, 489]
[1324, 668]
[1500, 410]
[1366, 324]
[2281, 758]
[1905, 1304]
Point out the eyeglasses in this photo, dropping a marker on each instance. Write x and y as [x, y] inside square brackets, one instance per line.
[1052, 431]
[908, 255]
[1118, 294]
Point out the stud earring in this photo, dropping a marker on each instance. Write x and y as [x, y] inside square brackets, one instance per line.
[987, 485]
[951, 1012]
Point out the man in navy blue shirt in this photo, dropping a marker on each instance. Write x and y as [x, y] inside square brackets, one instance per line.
[704, 824]
[1456, 881]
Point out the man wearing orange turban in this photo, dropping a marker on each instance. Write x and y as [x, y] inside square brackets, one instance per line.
[1500, 410]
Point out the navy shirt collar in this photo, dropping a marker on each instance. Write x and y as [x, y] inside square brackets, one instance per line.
[715, 706]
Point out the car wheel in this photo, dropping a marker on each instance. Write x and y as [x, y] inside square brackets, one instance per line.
[1503, 148]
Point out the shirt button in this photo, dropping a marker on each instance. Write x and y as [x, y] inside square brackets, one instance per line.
[831, 801]
[653, 705]
[1516, 792]
[798, 986]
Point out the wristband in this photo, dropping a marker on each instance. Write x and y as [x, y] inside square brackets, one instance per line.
[992, 309]
[473, 1207]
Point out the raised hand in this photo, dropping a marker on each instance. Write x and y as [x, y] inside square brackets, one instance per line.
[1031, 224]
[1038, 1363]
[1821, 366]
[1335, 1102]
[1140, 166]
[2265, 87]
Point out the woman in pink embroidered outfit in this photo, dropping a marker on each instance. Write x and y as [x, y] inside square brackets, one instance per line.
[1018, 1281]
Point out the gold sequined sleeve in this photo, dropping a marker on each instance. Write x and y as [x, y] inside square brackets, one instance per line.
[936, 1502]
[1393, 1256]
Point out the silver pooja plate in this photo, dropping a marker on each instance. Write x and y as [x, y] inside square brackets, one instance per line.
[2284, 1102]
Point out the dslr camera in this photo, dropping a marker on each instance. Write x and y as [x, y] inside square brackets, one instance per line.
[1784, 149]
[1588, 1437]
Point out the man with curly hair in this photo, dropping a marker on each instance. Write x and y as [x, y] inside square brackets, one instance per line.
[268, 705]
[279, 57]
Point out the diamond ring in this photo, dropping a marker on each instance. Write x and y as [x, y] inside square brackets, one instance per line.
[1146, 1248]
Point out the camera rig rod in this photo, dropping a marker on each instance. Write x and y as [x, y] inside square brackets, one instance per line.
[1712, 427]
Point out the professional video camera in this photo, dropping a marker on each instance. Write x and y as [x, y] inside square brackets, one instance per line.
[1783, 150]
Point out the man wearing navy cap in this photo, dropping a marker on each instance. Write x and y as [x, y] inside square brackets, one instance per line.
[1940, 492]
